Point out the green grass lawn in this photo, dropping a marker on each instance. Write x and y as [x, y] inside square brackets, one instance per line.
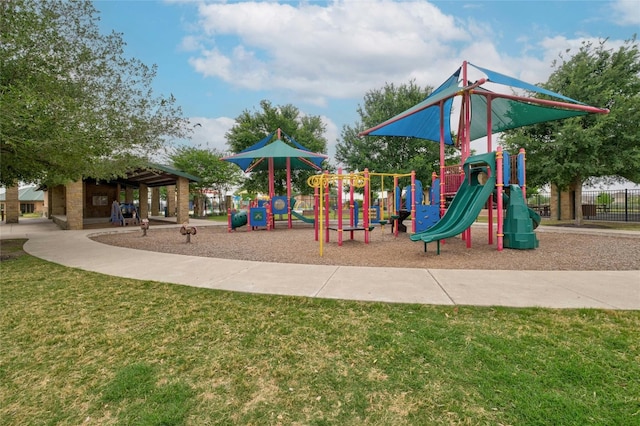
[79, 347]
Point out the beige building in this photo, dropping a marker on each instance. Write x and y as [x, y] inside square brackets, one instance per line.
[31, 199]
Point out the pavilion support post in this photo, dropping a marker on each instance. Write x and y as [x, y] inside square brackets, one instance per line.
[75, 204]
[182, 189]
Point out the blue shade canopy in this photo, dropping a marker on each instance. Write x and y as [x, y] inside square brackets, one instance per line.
[423, 120]
[279, 151]
[507, 111]
[496, 77]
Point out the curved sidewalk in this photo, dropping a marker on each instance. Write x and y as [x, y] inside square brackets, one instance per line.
[551, 289]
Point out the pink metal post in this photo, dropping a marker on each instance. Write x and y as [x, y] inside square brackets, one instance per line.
[272, 193]
[500, 187]
[352, 207]
[290, 222]
[396, 208]
[442, 183]
[326, 205]
[489, 149]
[316, 210]
[365, 207]
[466, 136]
[339, 206]
[413, 202]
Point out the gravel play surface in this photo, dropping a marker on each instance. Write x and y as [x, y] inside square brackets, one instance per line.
[557, 251]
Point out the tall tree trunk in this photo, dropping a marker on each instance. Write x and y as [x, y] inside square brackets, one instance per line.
[577, 187]
[196, 206]
[222, 206]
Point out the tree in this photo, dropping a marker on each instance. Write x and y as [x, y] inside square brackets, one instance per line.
[253, 127]
[570, 152]
[388, 154]
[214, 173]
[71, 104]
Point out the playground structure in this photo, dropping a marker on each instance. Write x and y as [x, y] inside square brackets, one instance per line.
[422, 216]
[271, 156]
[493, 112]
[471, 186]
[485, 176]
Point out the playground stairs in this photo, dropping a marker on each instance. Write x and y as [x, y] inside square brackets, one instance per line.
[518, 225]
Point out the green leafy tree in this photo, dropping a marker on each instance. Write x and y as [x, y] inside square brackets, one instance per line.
[570, 152]
[71, 104]
[389, 154]
[251, 127]
[214, 173]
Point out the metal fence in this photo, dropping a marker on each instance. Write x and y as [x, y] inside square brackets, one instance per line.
[606, 205]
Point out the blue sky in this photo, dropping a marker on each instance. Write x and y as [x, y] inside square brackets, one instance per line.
[221, 58]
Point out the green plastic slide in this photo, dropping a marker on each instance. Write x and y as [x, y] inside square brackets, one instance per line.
[462, 212]
[470, 199]
[302, 218]
[298, 215]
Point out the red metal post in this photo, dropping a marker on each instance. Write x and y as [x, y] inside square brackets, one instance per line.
[500, 187]
[397, 194]
[489, 149]
[442, 178]
[272, 193]
[316, 211]
[339, 206]
[326, 205]
[289, 221]
[365, 207]
[413, 202]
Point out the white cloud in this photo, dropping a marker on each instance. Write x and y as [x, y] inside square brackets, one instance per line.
[312, 52]
[332, 133]
[190, 43]
[627, 12]
[339, 50]
[209, 133]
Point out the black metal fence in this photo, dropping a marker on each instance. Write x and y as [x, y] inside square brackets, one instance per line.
[621, 205]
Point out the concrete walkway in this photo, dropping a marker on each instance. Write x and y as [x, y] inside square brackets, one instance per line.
[555, 289]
